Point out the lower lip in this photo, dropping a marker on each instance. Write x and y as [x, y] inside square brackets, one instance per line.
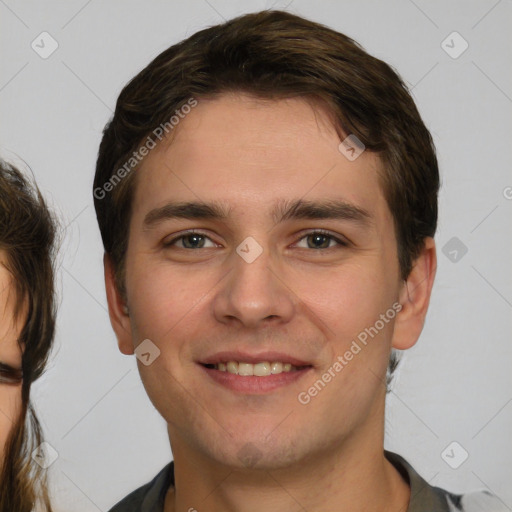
[252, 384]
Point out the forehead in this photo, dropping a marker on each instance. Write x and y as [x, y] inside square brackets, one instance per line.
[9, 327]
[7, 293]
[233, 127]
[5, 278]
[253, 153]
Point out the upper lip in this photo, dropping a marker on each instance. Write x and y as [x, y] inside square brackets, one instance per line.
[223, 357]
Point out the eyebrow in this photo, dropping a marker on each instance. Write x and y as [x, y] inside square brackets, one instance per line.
[283, 210]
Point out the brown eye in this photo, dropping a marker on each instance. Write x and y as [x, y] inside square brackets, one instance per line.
[10, 375]
[322, 240]
[193, 241]
[190, 240]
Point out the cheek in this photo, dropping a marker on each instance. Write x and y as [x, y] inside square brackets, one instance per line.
[348, 298]
[355, 306]
[166, 298]
[355, 303]
[10, 408]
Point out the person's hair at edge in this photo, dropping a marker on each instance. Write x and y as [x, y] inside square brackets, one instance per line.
[27, 236]
[276, 55]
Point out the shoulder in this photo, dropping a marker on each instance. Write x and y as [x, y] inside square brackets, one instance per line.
[478, 501]
[149, 497]
[426, 497]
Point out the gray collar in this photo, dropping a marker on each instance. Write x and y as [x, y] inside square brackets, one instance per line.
[424, 497]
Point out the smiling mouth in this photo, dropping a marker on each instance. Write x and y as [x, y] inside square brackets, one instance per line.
[262, 369]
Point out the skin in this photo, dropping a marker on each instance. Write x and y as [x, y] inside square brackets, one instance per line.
[10, 354]
[294, 298]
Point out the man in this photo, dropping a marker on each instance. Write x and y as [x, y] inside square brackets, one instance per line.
[267, 197]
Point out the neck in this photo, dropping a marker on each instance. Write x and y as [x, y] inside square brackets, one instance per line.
[354, 476]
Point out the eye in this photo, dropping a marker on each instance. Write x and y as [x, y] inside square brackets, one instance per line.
[10, 375]
[190, 240]
[196, 240]
[321, 240]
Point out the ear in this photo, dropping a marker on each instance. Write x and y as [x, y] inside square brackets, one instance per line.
[117, 310]
[415, 297]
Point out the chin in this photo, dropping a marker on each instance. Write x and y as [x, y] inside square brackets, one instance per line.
[257, 454]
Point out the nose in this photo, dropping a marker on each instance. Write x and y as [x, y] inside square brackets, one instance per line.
[254, 293]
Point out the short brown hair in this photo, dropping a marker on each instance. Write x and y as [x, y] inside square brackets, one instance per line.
[273, 55]
[27, 236]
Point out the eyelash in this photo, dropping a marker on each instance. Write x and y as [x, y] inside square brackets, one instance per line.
[322, 232]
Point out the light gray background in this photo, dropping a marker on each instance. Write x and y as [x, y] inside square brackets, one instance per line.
[454, 385]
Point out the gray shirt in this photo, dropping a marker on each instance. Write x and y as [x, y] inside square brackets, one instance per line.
[424, 497]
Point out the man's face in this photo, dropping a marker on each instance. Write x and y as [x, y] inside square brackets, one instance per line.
[306, 296]
[10, 355]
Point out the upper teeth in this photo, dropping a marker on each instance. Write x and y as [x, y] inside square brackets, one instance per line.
[259, 369]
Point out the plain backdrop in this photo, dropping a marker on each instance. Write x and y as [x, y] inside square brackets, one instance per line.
[455, 385]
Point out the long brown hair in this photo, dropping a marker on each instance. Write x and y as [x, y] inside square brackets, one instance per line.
[27, 236]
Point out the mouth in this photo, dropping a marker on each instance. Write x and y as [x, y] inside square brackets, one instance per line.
[254, 374]
[261, 369]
